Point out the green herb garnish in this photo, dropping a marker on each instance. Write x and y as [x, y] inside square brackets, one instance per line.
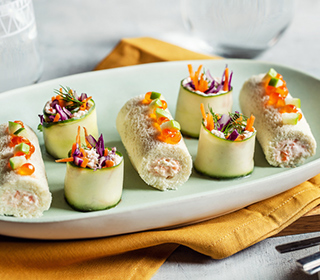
[235, 121]
[70, 97]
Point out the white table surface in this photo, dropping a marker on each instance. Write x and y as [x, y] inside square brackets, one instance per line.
[75, 35]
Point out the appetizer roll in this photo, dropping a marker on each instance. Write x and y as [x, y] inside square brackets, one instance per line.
[24, 190]
[61, 117]
[154, 142]
[94, 176]
[226, 145]
[202, 88]
[282, 129]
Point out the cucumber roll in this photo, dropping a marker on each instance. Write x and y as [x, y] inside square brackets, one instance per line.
[94, 176]
[202, 88]
[24, 190]
[226, 145]
[153, 141]
[282, 129]
[61, 117]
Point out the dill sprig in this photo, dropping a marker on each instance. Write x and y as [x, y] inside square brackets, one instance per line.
[69, 96]
[237, 122]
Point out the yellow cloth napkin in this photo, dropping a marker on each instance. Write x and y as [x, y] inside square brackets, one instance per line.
[139, 255]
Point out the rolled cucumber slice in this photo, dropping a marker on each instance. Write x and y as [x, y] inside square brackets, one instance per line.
[221, 158]
[89, 190]
[188, 112]
[59, 136]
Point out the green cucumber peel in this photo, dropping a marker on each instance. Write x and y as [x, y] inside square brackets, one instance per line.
[21, 132]
[22, 147]
[13, 127]
[290, 118]
[89, 209]
[16, 162]
[155, 95]
[275, 82]
[170, 124]
[162, 113]
[293, 101]
[155, 103]
[222, 177]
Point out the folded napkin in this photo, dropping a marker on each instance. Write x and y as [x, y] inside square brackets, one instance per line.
[139, 255]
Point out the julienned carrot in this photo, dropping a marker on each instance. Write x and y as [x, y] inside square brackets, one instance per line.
[109, 163]
[210, 123]
[86, 135]
[203, 112]
[65, 159]
[226, 80]
[106, 152]
[83, 152]
[85, 162]
[56, 118]
[203, 84]
[74, 146]
[250, 122]
[190, 71]
[196, 78]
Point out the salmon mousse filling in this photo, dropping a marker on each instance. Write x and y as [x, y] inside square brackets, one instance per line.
[282, 129]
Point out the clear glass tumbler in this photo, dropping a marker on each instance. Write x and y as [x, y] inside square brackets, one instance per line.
[20, 62]
[237, 28]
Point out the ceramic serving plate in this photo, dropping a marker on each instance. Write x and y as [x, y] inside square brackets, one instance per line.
[143, 207]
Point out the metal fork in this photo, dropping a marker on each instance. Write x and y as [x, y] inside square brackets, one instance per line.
[309, 264]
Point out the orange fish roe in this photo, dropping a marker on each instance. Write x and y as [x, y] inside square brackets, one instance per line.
[167, 135]
[277, 96]
[162, 120]
[170, 136]
[26, 169]
[147, 99]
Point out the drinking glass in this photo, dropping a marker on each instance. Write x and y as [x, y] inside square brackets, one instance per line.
[20, 62]
[237, 28]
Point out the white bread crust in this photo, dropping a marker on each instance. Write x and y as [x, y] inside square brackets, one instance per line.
[139, 137]
[11, 182]
[268, 123]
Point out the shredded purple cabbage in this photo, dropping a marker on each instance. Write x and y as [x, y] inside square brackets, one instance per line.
[64, 112]
[229, 84]
[98, 145]
[63, 115]
[214, 85]
[41, 119]
[223, 122]
[233, 136]
[83, 96]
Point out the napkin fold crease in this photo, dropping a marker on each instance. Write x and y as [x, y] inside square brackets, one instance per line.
[139, 255]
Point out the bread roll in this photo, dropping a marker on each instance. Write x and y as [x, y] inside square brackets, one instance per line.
[24, 196]
[161, 165]
[284, 145]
